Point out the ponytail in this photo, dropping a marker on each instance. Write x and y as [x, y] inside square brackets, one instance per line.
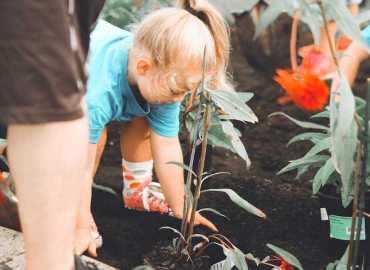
[219, 29]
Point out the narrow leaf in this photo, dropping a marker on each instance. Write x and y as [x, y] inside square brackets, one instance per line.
[314, 137]
[174, 230]
[302, 162]
[318, 147]
[240, 201]
[236, 257]
[237, 144]
[182, 165]
[301, 123]
[232, 105]
[288, 257]
[214, 211]
[322, 176]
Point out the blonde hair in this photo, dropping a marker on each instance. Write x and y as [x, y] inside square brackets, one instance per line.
[182, 33]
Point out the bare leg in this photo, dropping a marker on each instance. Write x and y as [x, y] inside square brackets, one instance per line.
[135, 141]
[85, 222]
[48, 162]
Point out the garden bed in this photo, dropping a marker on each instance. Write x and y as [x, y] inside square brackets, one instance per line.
[293, 221]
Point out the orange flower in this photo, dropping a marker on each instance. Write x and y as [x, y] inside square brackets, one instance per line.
[2, 178]
[284, 265]
[307, 91]
[343, 43]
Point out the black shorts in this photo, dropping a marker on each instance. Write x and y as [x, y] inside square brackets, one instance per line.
[41, 59]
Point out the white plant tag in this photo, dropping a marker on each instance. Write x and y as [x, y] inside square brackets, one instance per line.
[324, 214]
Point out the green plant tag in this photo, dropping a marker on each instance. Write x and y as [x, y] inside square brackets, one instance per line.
[340, 227]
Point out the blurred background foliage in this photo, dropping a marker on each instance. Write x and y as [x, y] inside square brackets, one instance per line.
[123, 13]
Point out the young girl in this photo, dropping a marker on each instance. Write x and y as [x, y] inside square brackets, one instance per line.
[139, 79]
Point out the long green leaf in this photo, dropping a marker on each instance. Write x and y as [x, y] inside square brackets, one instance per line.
[237, 144]
[236, 258]
[314, 137]
[214, 211]
[311, 16]
[217, 137]
[182, 165]
[323, 114]
[143, 267]
[322, 176]
[288, 257]
[173, 230]
[240, 201]
[319, 147]
[295, 164]
[344, 135]
[245, 96]
[232, 105]
[301, 123]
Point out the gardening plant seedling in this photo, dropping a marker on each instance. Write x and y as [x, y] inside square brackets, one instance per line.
[214, 108]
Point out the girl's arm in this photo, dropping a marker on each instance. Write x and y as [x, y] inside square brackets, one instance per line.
[164, 150]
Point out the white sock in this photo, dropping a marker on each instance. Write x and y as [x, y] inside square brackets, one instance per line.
[138, 173]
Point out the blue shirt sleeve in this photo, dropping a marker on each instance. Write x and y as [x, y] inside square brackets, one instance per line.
[98, 120]
[366, 34]
[164, 119]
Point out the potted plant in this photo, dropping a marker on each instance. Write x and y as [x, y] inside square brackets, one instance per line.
[335, 199]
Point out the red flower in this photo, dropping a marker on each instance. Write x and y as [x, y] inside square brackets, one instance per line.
[305, 89]
[284, 265]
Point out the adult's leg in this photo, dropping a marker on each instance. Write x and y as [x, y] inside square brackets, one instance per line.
[86, 229]
[48, 162]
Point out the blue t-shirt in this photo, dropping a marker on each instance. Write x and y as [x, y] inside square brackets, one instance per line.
[366, 34]
[109, 96]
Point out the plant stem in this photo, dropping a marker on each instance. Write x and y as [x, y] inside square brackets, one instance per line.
[362, 181]
[200, 174]
[293, 41]
[326, 27]
[355, 205]
[185, 226]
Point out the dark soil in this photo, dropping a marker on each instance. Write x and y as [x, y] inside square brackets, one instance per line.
[293, 221]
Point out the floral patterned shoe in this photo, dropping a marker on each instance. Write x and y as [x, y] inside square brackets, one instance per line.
[147, 196]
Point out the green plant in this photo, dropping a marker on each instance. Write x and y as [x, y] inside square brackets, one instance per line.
[320, 155]
[341, 141]
[122, 13]
[213, 109]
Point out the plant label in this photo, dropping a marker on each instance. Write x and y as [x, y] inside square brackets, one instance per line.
[340, 228]
[324, 214]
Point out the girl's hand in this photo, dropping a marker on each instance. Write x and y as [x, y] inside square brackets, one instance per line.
[199, 220]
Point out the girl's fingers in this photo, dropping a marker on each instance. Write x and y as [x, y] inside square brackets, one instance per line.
[200, 220]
